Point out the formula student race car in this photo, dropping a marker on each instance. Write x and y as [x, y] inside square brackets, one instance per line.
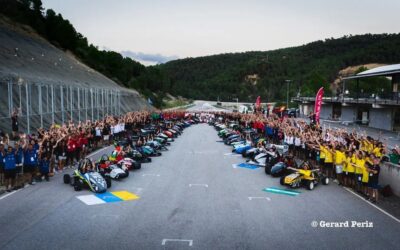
[304, 177]
[130, 164]
[106, 168]
[242, 147]
[85, 177]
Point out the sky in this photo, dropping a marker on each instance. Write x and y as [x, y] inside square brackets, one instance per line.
[156, 31]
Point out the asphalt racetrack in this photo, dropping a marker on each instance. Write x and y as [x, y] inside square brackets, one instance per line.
[193, 198]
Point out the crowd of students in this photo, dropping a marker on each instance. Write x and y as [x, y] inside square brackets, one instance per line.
[351, 159]
[29, 158]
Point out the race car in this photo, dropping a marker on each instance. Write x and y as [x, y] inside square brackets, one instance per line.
[130, 164]
[86, 177]
[304, 177]
[278, 166]
[122, 160]
[242, 147]
[106, 168]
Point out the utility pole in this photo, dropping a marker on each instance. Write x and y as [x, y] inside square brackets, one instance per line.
[287, 93]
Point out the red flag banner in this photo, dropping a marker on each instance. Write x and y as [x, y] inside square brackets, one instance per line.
[318, 104]
[258, 102]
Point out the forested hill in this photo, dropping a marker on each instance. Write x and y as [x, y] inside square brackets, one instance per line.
[308, 67]
[225, 76]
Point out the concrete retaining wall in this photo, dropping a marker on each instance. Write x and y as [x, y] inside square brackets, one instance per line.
[390, 175]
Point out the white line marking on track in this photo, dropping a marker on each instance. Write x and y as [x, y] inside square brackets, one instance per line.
[229, 154]
[234, 154]
[151, 175]
[260, 197]
[98, 151]
[204, 185]
[375, 206]
[13, 192]
[164, 241]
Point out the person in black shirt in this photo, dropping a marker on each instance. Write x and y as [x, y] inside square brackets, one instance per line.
[313, 118]
[14, 123]
[373, 180]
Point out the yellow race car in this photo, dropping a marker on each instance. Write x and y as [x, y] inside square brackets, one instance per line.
[304, 177]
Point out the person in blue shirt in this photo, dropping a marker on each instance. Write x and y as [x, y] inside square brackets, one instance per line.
[2, 154]
[10, 169]
[44, 167]
[19, 153]
[30, 163]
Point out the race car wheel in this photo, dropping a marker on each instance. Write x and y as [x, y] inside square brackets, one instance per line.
[310, 185]
[244, 154]
[137, 165]
[108, 181]
[159, 154]
[77, 185]
[268, 169]
[282, 180]
[127, 173]
[67, 179]
[325, 180]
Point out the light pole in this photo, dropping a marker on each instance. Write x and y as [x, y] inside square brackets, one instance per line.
[237, 103]
[287, 93]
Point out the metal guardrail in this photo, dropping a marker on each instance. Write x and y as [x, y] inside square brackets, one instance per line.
[40, 105]
[361, 100]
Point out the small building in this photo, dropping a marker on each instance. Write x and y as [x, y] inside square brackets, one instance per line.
[374, 110]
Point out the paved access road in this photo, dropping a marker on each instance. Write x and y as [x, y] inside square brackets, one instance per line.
[217, 213]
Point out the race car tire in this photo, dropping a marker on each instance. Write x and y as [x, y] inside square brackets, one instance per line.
[268, 169]
[244, 155]
[127, 173]
[282, 180]
[310, 185]
[67, 179]
[325, 181]
[77, 185]
[137, 165]
[158, 154]
[108, 181]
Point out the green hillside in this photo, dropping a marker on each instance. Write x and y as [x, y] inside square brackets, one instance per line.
[219, 76]
[308, 67]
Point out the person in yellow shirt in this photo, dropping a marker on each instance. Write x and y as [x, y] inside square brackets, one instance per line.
[359, 165]
[322, 150]
[329, 153]
[349, 170]
[339, 163]
[378, 150]
[365, 176]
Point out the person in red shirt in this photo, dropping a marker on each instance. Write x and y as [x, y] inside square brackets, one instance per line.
[78, 148]
[84, 142]
[71, 149]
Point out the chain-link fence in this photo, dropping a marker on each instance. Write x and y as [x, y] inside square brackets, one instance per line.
[40, 105]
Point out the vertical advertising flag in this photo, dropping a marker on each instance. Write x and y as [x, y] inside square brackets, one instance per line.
[318, 104]
[258, 103]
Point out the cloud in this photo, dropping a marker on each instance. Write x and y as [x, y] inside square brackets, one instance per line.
[148, 59]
